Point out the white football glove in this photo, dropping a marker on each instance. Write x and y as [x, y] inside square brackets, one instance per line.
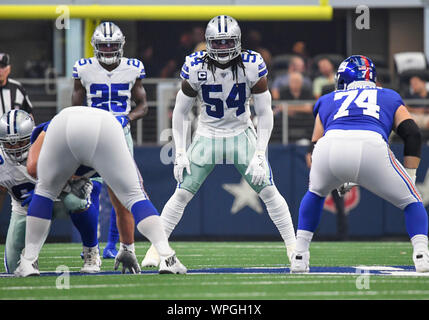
[181, 162]
[257, 168]
[128, 259]
[346, 187]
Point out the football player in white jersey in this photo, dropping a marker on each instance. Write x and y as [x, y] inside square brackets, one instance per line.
[16, 127]
[110, 81]
[223, 79]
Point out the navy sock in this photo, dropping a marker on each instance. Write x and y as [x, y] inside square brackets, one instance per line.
[87, 222]
[416, 219]
[113, 235]
[143, 209]
[310, 211]
[40, 207]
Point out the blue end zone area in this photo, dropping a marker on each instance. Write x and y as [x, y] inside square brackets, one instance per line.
[369, 270]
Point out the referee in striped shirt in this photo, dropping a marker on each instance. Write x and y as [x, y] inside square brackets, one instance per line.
[12, 94]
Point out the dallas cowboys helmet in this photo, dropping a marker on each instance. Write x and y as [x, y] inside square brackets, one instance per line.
[108, 43]
[223, 39]
[16, 127]
[355, 68]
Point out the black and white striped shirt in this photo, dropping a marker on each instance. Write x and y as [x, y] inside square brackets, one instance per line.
[13, 96]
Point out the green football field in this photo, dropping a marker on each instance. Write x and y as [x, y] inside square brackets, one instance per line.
[231, 271]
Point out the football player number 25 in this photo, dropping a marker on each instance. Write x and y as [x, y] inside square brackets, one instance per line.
[106, 96]
[367, 100]
[214, 106]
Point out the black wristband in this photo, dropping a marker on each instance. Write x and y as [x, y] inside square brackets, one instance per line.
[311, 147]
[410, 134]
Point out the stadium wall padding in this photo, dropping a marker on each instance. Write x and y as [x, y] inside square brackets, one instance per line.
[209, 212]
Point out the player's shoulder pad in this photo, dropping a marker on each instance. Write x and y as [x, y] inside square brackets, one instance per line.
[193, 63]
[254, 63]
[37, 130]
[80, 66]
[135, 65]
[390, 93]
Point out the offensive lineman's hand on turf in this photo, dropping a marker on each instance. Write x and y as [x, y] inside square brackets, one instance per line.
[128, 259]
[181, 162]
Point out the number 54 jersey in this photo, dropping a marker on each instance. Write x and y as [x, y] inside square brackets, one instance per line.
[109, 90]
[369, 108]
[224, 99]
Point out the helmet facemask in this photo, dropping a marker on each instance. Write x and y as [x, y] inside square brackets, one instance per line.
[16, 127]
[223, 39]
[108, 43]
[108, 52]
[223, 50]
[16, 148]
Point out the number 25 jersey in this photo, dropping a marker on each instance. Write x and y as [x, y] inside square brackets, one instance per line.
[224, 100]
[368, 108]
[109, 90]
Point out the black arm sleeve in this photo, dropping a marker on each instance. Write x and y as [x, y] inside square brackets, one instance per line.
[410, 134]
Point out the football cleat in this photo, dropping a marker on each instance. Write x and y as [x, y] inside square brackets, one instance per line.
[91, 260]
[171, 265]
[27, 268]
[110, 251]
[300, 262]
[151, 259]
[421, 261]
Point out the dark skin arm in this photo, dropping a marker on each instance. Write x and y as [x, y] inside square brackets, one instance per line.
[138, 95]
[3, 192]
[79, 93]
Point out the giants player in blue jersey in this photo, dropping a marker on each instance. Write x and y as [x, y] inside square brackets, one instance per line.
[352, 127]
[110, 81]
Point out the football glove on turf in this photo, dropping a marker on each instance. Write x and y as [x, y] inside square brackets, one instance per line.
[128, 259]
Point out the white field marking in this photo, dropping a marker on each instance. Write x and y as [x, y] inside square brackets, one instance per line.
[154, 296]
[356, 293]
[378, 268]
[216, 283]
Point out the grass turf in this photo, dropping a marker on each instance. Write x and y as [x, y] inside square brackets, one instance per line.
[227, 286]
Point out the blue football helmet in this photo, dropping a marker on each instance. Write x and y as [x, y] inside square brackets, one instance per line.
[355, 68]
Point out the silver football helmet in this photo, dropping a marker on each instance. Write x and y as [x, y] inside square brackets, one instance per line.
[16, 127]
[108, 43]
[223, 39]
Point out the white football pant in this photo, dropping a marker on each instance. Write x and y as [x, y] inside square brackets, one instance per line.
[362, 157]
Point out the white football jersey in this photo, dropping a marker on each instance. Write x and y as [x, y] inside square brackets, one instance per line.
[17, 182]
[109, 90]
[224, 100]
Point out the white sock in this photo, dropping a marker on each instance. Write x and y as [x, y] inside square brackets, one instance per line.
[420, 242]
[174, 208]
[151, 227]
[303, 240]
[36, 232]
[278, 211]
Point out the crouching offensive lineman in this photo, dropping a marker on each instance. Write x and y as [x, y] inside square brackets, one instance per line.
[352, 127]
[80, 137]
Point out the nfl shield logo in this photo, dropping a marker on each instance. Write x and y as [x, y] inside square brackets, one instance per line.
[202, 75]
